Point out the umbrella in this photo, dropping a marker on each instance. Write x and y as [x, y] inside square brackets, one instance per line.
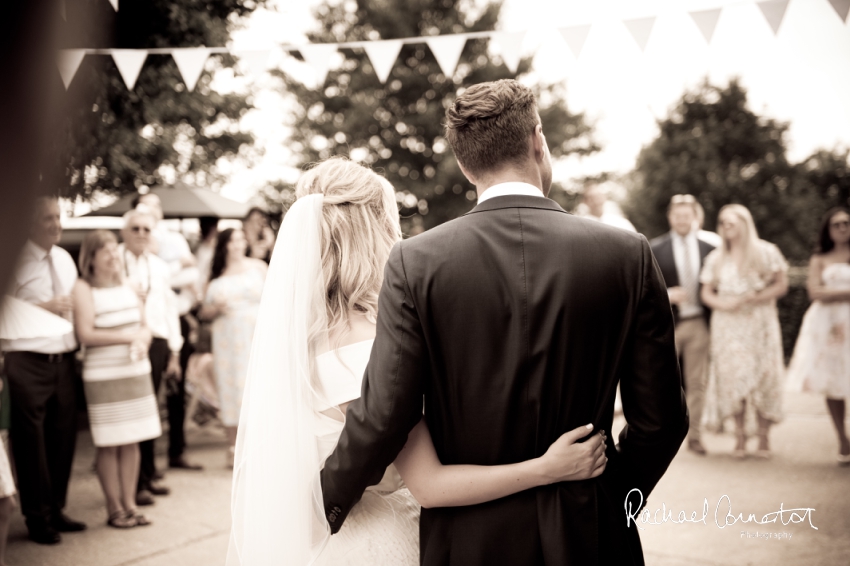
[19, 319]
[181, 201]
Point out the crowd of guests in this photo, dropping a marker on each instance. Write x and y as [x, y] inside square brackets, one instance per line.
[148, 310]
[723, 290]
[143, 309]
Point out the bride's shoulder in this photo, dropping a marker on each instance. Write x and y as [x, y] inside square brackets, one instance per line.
[358, 329]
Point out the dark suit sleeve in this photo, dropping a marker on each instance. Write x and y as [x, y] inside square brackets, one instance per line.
[651, 386]
[390, 405]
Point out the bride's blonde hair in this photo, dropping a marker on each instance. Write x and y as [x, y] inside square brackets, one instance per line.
[360, 225]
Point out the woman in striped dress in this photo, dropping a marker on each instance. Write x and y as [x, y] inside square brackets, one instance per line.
[116, 374]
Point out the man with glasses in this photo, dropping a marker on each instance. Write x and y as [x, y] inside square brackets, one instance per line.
[150, 277]
[680, 255]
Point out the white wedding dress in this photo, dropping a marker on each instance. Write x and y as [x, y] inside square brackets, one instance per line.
[383, 528]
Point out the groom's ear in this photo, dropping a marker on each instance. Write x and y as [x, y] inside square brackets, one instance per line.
[467, 174]
[538, 143]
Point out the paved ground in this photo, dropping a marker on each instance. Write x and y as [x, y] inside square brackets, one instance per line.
[191, 525]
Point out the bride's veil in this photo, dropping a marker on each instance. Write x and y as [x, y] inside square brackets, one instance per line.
[276, 502]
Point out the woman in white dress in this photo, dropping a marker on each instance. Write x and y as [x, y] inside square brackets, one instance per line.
[311, 345]
[821, 361]
[122, 408]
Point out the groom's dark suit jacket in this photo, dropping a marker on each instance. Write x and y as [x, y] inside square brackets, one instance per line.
[515, 323]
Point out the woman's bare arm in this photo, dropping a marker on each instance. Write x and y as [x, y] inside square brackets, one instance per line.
[817, 290]
[436, 485]
[87, 334]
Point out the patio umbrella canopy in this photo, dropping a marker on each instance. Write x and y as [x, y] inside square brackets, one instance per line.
[181, 201]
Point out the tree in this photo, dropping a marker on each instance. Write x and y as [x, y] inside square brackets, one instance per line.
[397, 128]
[714, 147]
[114, 139]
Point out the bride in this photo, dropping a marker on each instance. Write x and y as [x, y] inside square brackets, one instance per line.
[311, 345]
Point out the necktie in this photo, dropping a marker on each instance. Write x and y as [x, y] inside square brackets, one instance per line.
[689, 279]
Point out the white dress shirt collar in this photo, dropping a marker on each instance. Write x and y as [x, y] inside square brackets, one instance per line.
[510, 188]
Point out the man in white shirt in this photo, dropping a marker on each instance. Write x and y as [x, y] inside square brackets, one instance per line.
[41, 374]
[680, 254]
[173, 249]
[150, 277]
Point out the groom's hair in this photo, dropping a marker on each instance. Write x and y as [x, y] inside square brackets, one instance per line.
[489, 124]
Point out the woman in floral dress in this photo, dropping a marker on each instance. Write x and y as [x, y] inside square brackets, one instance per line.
[741, 281]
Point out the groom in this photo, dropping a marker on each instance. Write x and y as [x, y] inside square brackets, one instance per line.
[514, 324]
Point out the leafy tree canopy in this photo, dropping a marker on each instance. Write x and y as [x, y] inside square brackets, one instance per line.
[397, 127]
[714, 147]
[115, 140]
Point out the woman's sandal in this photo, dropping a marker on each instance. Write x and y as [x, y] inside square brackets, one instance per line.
[121, 520]
[141, 520]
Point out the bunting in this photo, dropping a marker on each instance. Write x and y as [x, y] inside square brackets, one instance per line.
[190, 61]
[706, 21]
[318, 56]
[841, 7]
[640, 29]
[383, 55]
[129, 63]
[510, 45]
[575, 36]
[447, 50]
[773, 11]
[69, 62]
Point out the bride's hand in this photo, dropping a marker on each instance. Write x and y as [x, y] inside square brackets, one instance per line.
[569, 460]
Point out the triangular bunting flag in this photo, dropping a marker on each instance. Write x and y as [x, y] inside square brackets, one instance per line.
[774, 11]
[318, 56]
[382, 55]
[706, 21]
[191, 61]
[640, 30]
[447, 50]
[575, 36]
[842, 7]
[510, 43]
[253, 62]
[69, 62]
[129, 63]
[114, 4]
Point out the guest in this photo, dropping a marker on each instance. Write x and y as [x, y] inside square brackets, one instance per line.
[741, 281]
[231, 302]
[259, 234]
[600, 208]
[680, 255]
[41, 382]
[173, 249]
[821, 360]
[148, 275]
[116, 374]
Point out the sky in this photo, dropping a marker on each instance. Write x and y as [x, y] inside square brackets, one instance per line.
[800, 75]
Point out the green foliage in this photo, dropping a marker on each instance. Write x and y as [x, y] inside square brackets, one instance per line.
[397, 128]
[714, 147]
[115, 140]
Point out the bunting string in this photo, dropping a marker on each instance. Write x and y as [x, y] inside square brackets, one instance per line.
[383, 54]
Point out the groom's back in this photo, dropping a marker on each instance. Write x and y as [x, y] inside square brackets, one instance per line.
[531, 317]
[525, 309]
